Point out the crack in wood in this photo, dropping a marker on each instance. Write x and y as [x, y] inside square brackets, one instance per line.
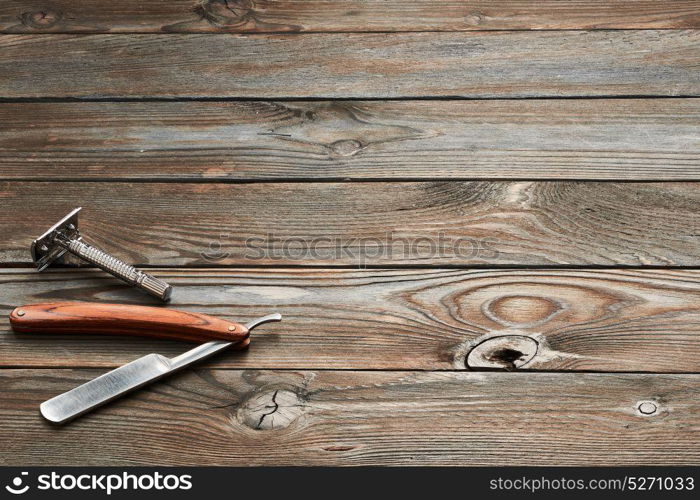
[271, 410]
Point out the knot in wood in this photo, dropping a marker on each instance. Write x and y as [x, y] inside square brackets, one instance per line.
[647, 407]
[225, 12]
[507, 352]
[271, 410]
[522, 311]
[474, 18]
[41, 19]
[345, 147]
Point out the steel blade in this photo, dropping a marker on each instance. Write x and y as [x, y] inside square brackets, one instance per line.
[129, 377]
[105, 388]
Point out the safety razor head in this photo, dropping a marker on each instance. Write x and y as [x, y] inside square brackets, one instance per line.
[44, 248]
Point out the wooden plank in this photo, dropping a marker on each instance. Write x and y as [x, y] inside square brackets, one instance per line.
[648, 139]
[247, 16]
[223, 417]
[377, 223]
[470, 64]
[590, 320]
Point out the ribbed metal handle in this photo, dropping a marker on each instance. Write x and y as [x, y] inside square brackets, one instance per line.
[120, 269]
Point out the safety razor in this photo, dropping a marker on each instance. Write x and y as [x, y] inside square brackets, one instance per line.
[64, 236]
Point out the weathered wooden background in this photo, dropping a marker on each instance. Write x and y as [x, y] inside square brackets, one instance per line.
[559, 140]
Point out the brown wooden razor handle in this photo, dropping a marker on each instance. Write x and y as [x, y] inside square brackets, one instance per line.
[119, 319]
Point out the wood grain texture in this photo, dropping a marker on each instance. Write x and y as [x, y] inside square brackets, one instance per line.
[251, 16]
[614, 320]
[223, 417]
[650, 139]
[123, 319]
[470, 64]
[378, 223]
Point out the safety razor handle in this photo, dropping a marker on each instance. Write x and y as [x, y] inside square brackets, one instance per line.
[117, 267]
[122, 319]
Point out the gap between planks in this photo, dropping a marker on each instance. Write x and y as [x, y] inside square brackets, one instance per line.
[292, 369]
[291, 98]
